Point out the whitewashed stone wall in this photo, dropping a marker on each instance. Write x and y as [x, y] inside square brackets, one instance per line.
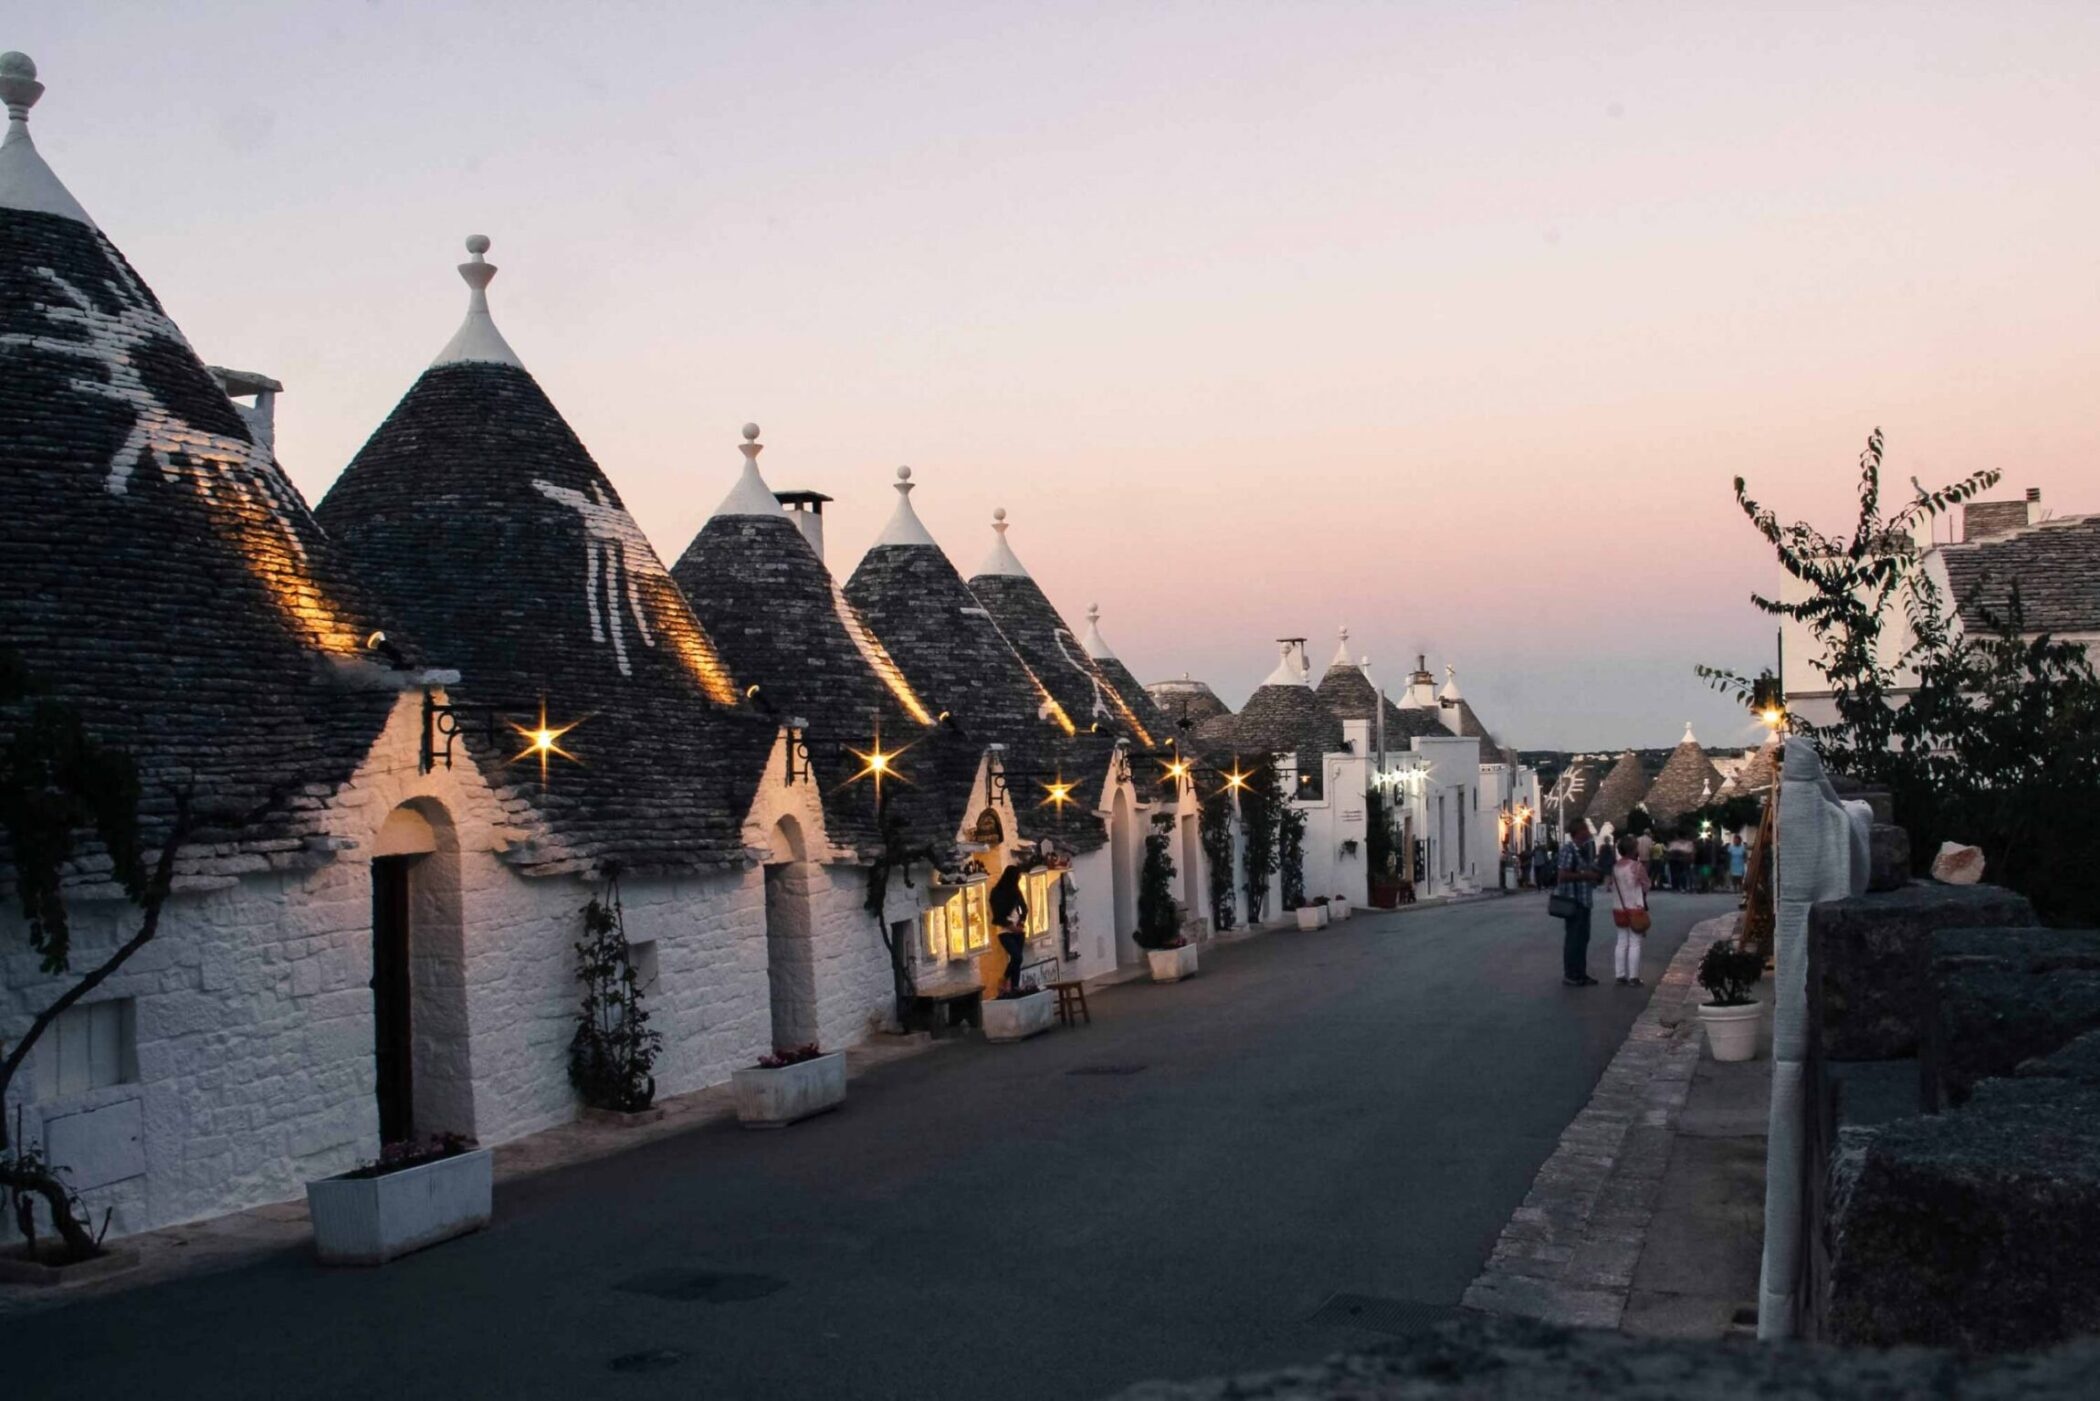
[254, 1025]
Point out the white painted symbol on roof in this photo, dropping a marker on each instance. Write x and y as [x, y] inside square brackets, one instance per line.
[612, 544]
[157, 432]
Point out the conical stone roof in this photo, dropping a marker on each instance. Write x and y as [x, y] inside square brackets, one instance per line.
[1052, 650]
[1619, 793]
[958, 661]
[1283, 716]
[487, 526]
[1688, 778]
[1347, 693]
[158, 571]
[1573, 792]
[1130, 694]
[1186, 703]
[784, 625]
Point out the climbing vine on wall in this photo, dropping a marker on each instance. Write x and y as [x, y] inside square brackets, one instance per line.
[1216, 825]
[613, 1051]
[1261, 813]
[1290, 854]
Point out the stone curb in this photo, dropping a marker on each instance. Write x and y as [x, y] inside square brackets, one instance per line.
[1568, 1253]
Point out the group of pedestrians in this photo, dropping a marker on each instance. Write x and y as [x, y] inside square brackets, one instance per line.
[1693, 865]
[1582, 872]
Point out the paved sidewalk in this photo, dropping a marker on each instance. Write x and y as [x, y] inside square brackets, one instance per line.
[1605, 1213]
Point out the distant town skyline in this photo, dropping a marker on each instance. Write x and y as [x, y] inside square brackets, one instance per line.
[1451, 324]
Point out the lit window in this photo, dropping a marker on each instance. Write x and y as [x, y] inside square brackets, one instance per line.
[89, 1047]
[979, 908]
[1040, 884]
[936, 928]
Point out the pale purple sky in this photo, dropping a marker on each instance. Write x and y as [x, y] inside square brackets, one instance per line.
[1450, 321]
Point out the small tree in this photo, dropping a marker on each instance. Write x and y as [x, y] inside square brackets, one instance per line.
[613, 1051]
[1290, 855]
[1215, 821]
[1157, 926]
[58, 782]
[1261, 812]
[1381, 847]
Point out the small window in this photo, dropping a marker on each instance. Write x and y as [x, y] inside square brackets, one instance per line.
[643, 957]
[1040, 884]
[935, 922]
[978, 907]
[90, 1047]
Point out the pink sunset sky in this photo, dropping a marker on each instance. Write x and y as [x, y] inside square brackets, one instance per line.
[1449, 321]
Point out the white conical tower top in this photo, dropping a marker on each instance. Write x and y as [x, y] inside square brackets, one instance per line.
[1002, 559]
[750, 496]
[1096, 645]
[1450, 691]
[1289, 671]
[1689, 737]
[25, 181]
[905, 527]
[477, 341]
[1341, 653]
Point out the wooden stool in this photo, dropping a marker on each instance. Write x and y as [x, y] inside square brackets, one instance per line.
[1071, 1002]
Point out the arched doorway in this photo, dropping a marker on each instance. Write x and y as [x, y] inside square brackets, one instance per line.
[1192, 886]
[422, 1058]
[791, 955]
[1123, 869]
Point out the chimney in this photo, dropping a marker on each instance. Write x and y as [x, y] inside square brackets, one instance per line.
[806, 510]
[2034, 505]
[261, 417]
[1987, 520]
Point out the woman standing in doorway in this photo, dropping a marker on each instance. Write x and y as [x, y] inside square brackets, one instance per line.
[1010, 918]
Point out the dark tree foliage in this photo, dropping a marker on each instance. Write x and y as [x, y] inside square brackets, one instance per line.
[1157, 927]
[1216, 824]
[1381, 842]
[1261, 813]
[1985, 736]
[58, 785]
[1290, 855]
[613, 1050]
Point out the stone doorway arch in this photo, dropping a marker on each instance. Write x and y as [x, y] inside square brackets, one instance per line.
[423, 1069]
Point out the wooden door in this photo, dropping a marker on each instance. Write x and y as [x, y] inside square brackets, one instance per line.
[391, 1031]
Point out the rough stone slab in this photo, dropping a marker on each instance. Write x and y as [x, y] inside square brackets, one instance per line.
[1985, 1020]
[2079, 1061]
[1974, 1228]
[1867, 957]
[1516, 1359]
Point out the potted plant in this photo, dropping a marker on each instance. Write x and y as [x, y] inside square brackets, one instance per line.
[1314, 915]
[1732, 1012]
[417, 1193]
[795, 1082]
[1338, 907]
[1170, 954]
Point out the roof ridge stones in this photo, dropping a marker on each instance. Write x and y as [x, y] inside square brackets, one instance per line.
[491, 531]
[158, 570]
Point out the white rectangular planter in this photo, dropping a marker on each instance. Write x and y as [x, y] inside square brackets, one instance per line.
[1172, 965]
[1312, 916]
[1338, 909]
[1018, 1018]
[371, 1220]
[773, 1099]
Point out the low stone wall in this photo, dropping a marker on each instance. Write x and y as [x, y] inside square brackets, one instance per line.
[1867, 959]
[1997, 997]
[1518, 1360]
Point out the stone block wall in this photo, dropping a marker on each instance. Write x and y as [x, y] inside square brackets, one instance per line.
[1867, 957]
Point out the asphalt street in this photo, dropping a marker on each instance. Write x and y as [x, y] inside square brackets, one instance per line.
[1171, 1192]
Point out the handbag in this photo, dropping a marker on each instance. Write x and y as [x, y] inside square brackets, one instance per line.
[1562, 905]
[1636, 920]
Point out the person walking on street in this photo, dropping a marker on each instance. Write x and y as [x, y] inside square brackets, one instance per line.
[1541, 865]
[1738, 862]
[1629, 896]
[1680, 854]
[1576, 876]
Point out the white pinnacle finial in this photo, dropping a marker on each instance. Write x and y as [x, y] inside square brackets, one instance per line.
[750, 496]
[26, 183]
[1341, 653]
[1096, 645]
[1002, 560]
[478, 341]
[904, 527]
[1688, 736]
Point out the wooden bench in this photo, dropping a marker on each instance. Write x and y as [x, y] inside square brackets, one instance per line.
[947, 1007]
